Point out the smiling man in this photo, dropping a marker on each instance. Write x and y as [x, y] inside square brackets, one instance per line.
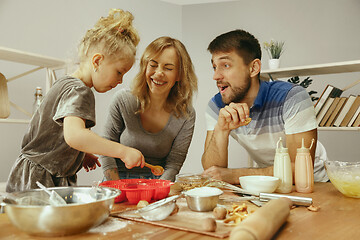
[277, 109]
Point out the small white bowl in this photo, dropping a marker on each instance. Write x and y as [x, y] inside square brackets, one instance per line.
[259, 184]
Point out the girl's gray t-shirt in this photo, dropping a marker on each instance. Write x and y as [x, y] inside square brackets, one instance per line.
[44, 142]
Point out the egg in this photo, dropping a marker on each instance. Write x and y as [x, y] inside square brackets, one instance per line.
[142, 203]
[219, 212]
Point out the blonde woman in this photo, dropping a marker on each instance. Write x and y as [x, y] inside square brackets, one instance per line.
[54, 148]
[157, 116]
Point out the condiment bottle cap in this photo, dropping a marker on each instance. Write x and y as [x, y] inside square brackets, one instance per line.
[280, 148]
[303, 149]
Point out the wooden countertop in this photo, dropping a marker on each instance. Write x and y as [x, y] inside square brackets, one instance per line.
[338, 218]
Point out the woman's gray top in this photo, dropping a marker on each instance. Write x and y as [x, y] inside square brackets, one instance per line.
[167, 148]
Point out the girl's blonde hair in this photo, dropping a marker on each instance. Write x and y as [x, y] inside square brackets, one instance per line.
[112, 35]
[181, 94]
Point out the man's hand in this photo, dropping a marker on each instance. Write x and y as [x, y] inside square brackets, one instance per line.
[223, 174]
[90, 161]
[233, 116]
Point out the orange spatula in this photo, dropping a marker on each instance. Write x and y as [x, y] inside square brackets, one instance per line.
[156, 170]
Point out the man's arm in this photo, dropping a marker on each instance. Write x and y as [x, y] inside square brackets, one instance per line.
[231, 175]
[215, 157]
[216, 149]
[216, 144]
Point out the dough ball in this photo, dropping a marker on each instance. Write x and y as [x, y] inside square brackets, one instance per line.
[142, 203]
[219, 213]
[208, 224]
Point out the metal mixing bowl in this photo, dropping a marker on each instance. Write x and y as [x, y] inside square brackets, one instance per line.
[86, 207]
[202, 199]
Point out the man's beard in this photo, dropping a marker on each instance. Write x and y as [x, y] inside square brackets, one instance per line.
[238, 93]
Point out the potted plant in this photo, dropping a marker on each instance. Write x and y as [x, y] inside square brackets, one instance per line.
[305, 84]
[274, 50]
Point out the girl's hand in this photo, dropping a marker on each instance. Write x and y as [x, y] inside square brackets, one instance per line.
[133, 158]
[90, 161]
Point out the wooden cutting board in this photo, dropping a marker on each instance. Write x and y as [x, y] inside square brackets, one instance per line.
[4, 98]
[186, 220]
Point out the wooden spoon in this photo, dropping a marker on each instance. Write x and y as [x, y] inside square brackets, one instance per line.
[156, 170]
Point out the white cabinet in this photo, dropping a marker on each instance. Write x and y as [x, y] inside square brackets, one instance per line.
[40, 62]
[317, 69]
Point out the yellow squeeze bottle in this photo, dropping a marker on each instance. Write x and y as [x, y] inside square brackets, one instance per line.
[282, 168]
[304, 169]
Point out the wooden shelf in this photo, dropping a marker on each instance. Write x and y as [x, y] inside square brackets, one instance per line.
[42, 62]
[339, 128]
[30, 58]
[7, 120]
[317, 69]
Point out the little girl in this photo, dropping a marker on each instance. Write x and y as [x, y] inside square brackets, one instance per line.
[59, 141]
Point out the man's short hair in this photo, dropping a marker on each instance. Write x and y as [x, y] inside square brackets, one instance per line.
[244, 43]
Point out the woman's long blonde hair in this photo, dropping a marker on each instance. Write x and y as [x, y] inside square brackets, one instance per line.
[113, 35]
[180, 97]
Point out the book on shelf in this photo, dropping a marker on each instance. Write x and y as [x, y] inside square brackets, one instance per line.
[324, 110]
[332, 102]
[350, 124]
[344, 110]
[357, 122]
[329, 91]
[335, 113]
[351, 112]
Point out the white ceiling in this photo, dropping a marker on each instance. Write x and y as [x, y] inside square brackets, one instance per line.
[189, 2]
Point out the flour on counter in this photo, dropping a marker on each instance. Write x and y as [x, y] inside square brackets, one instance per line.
[110, 225]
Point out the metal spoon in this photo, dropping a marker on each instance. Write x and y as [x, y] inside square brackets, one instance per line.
[156, 170]
[55, 198]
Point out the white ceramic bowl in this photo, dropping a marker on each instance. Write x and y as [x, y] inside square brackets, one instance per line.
[259, 184]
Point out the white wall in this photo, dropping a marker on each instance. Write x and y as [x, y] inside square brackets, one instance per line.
[319, 31]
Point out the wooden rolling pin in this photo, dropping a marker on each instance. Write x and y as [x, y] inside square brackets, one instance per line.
[264, 222]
